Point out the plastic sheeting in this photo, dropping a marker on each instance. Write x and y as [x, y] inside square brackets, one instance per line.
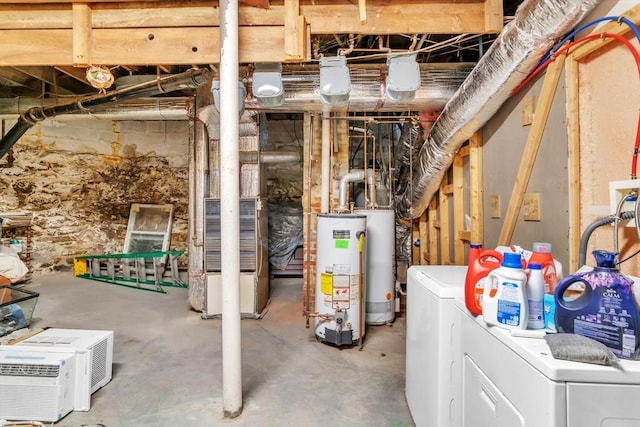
[537, 26]
[285, 233]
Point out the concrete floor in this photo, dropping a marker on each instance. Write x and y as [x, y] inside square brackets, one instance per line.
[167, 362]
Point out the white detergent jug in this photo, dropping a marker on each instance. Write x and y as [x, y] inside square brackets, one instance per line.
[508, 307]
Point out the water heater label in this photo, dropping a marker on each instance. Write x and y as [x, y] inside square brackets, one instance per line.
[342, 234]
[340, 292]
[326, 283]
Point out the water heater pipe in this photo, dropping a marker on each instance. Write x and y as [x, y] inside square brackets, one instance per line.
[326, 165]
[353, 176]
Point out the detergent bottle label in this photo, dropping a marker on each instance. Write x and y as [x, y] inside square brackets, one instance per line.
[509, 309]
[613, 324]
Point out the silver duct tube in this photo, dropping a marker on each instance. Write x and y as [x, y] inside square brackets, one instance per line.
[302, 88]
[136, 109]
[353, 176]
[537, 26]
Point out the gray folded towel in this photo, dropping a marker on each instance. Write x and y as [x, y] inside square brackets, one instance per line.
[580, 349]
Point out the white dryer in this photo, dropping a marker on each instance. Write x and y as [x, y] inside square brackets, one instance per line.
[433, 358]
[515, 382]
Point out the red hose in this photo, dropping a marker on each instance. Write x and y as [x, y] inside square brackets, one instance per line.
[636, 57]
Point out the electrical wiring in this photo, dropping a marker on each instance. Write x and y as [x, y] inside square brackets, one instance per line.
[564, 49]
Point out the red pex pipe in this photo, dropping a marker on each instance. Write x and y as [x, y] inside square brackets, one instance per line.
[636, 57]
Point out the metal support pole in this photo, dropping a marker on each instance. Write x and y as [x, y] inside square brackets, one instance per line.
[230, 210]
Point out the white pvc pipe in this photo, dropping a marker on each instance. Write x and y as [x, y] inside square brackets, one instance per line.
[230, 210]
[326, 165]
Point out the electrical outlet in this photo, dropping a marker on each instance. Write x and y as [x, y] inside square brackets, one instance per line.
[626, 189]
[531, 205]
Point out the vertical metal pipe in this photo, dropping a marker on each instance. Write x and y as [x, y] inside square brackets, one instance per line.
[326, 165]
[230, 210]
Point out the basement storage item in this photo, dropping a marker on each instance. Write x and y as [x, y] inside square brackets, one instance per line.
[381, 235]
[340, 281]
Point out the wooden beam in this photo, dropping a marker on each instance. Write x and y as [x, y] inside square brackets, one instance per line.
[433, 231]
[62, 86]
[81, 35]
[27, 85]
[80, 74]
[458, 207]
[573, 136]
[424, 238]
[476, 191]
[397, 17]
[296, 38]
[445, 231]
[534, 138]
[139, 46]
[493, 16]
[362, 7]
[614, 27]
[323, 16]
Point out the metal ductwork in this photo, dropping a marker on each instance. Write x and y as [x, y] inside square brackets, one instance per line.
[165, 108]
[537, 26]
[190, 79]
[302, 88]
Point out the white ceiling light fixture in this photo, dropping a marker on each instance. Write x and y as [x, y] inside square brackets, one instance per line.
[335, 82]
[215, 91]
[267, 85]
[403, 77]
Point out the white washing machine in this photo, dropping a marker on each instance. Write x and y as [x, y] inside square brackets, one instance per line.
[433, 358]
[514, 381]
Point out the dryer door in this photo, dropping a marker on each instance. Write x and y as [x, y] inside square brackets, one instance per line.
[484, 404]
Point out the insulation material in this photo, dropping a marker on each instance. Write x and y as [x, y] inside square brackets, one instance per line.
[406, 150]
[285, 233]
[537, 26]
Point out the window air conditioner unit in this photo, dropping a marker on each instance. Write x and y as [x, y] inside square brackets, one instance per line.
[94, 357]
[36, 386]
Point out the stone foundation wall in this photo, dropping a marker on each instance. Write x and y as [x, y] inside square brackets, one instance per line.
[78, 179]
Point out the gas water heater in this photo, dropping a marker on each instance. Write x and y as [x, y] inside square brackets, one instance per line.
[340, 281]
[380, 307]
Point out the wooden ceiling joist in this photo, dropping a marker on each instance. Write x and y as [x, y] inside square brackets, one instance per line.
[324, 17]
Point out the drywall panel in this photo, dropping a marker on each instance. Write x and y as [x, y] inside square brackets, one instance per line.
[609, 103]
[504, 141]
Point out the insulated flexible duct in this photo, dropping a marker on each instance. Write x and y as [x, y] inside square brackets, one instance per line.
[301, 85]
[536, 27]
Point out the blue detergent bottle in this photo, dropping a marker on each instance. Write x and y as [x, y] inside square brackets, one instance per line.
[605, 310]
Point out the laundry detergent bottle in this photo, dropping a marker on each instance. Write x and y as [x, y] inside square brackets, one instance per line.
[604, 309]
[508, 307]
[542, 255]
[481, 263]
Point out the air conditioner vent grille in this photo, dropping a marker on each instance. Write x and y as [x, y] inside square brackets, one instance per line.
[25, 370]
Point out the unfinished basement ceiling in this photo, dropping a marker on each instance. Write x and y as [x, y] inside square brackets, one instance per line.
[46, 47]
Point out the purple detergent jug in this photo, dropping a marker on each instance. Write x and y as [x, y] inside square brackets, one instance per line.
[605, 311]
